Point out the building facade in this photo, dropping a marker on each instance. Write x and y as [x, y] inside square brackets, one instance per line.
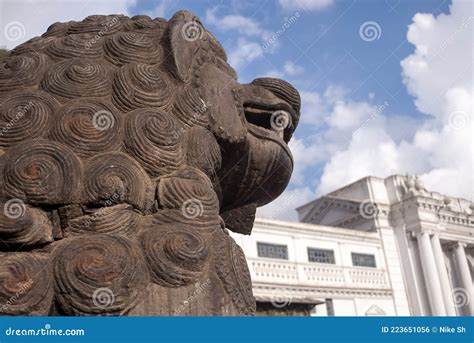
[374, 247]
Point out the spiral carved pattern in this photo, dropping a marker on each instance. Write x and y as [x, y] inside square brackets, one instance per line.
[176, 257]
[21, 71]
[152, 136]
[202, 151]
[26, 286]
[36, 44]
[129, 47]
[57, 29]
[205, 225]
[42, 172]
[76, 126]
[139, 85]
[29, 227]
[190, 109]
[82, 265]
[141, 23]
[25, 115]
[97, 24]
[116, 177]
[180, 188]
[116, 220]
[78, 78]
[74, 46]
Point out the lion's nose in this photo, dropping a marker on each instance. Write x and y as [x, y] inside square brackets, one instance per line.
[286, 92]
[283, 90]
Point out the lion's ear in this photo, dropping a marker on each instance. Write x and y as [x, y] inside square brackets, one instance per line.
[184, 35]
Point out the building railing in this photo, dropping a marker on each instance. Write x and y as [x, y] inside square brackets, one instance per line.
[316, 274]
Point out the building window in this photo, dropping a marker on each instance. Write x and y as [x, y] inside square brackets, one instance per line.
[321, 255]
[363, 260]
[272, 250]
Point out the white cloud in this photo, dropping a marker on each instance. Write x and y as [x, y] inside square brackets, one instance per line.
[247, 48]
[355, 139]
[308, 5]
[163, 9]
[27, 18]
[244, 52]
[438, 74]
[289, 69]
[292, 69]
[244, 25]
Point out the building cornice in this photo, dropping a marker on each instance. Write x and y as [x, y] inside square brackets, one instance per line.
[313, 229]
[267, 292]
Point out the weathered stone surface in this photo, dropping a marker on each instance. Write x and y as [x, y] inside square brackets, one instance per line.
[127, 147]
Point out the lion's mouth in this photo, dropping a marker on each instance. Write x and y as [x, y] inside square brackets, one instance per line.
[274, 117]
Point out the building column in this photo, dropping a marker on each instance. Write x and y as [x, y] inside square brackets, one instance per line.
[465, 275]
[430, 274]
[443, 276]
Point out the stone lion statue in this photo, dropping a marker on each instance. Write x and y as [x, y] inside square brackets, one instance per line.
[127, 150]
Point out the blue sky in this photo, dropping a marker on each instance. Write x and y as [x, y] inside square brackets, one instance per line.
[396, 102]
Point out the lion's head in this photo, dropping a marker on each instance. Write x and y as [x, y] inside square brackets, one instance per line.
[252, 123]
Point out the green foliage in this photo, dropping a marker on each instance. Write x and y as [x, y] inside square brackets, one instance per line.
[3, 52]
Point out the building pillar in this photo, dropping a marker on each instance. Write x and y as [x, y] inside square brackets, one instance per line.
[443, 276]
[430, 274]
[465, 275]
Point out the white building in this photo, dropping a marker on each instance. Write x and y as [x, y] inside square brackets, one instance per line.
[374, 247]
